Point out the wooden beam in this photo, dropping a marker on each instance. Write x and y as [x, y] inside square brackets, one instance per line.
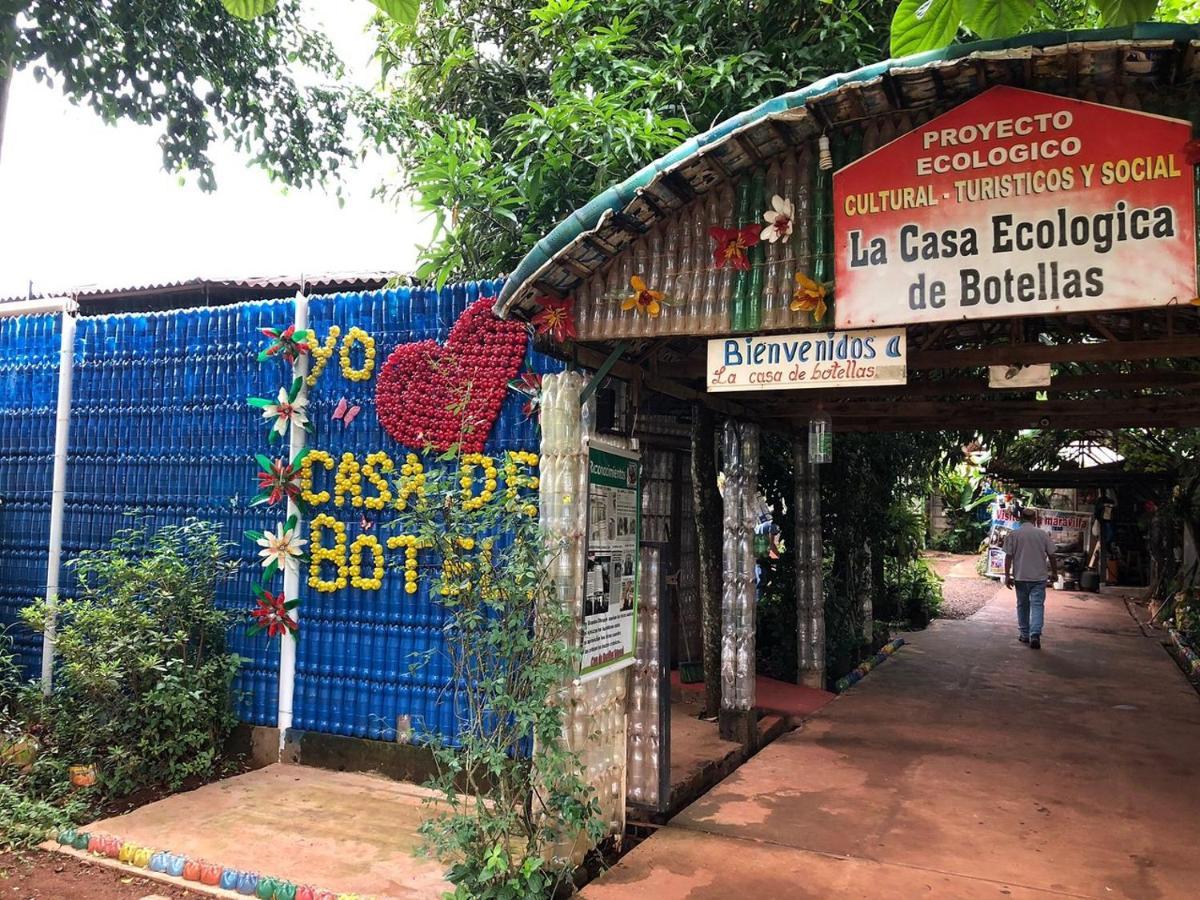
[976, 387]
[1029, 354]
[593, 359]
[948, 411]
[1011, 423]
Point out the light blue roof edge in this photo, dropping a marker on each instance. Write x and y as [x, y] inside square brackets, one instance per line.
[588, 217]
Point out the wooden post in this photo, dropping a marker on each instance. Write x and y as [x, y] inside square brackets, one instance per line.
[706, 505]
[810, 588]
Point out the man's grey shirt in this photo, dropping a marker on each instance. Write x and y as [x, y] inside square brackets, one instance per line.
[1029, 546]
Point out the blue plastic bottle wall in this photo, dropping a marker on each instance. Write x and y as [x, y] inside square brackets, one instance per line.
[355, 671]
[29, 347]
[160, 428]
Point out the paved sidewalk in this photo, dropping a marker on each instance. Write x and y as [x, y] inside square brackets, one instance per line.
[339, 831]
[967, 766]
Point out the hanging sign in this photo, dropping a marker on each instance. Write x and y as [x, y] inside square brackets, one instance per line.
[812, 360]
[610, 591]
[1016, 203]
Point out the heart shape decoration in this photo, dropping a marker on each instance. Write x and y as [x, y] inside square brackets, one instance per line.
[434, 395]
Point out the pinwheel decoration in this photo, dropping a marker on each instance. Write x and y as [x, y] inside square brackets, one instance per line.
[272, 614]
[290, 343]
[529, 385]
[279, 481]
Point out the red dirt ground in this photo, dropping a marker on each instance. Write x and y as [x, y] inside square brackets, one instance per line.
[38, 875]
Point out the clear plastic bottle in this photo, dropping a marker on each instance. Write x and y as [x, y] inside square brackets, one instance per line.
[714, 305]
[684, 267]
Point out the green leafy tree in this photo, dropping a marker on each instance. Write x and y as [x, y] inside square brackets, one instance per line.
[506, 116]
[920, 25]
[196, 72]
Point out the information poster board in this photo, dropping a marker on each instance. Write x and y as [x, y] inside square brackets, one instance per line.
[1067, 528]
[610, 596]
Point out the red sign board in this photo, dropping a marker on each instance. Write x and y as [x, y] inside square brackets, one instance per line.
[1016, 203]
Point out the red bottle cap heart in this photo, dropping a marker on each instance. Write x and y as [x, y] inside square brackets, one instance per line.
[419, 394]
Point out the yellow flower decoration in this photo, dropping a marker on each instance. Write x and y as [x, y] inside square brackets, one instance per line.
[357, 336]
[314, 457]
[365, 542]
[373, 469]
[321, 353]
[348, 481]
[466, 479]
[643, 300]
[517, 482]
[412, 481]
[319, 554]
[809, 297]
[411, 545]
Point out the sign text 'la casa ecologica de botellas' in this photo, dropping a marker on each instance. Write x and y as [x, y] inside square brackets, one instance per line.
[1016, 203]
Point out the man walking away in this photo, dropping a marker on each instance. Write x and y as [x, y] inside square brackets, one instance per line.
[1028, 558]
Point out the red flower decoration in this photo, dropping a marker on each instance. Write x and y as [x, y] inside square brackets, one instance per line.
[1191, 151]
[556, 319]
[732, 244]
[278, 480]
[272, 614]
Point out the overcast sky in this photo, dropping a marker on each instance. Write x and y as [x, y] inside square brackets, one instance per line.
[84, 203]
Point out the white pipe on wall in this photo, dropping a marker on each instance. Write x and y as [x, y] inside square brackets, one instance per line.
[58, 485]
[39, 307]
[291, 576]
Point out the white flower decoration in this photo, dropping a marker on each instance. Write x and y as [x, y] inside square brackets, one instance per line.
[778, 219]
[286, 412]
[282, 547]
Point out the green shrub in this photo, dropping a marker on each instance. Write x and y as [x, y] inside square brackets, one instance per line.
[914, 591]
[143, 677]
[27, 818]
[510, 791]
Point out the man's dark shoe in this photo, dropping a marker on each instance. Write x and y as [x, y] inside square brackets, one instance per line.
[1035, 642]
[1023, 638]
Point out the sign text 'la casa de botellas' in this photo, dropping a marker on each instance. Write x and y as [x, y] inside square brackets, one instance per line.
[1016, 203]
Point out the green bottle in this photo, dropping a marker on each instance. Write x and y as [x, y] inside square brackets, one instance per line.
[741, 278]
[758, 261]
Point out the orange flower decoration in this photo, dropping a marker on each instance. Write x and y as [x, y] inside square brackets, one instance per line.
[643, 300]
[809, 297]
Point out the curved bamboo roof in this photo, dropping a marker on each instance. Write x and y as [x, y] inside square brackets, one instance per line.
[1147, 56]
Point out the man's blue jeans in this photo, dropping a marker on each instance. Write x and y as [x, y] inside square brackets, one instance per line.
[1031, 606]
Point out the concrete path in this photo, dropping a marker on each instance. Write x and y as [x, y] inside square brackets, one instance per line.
[339, 831]
[967, 766]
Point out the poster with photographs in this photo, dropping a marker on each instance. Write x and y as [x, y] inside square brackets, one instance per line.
[610, 589]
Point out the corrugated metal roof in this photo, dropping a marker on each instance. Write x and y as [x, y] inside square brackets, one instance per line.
[312, 284]
[1150, 55]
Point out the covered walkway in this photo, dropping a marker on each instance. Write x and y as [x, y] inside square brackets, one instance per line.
[968, 766]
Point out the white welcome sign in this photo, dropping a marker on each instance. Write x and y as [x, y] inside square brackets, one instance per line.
[813, 360]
